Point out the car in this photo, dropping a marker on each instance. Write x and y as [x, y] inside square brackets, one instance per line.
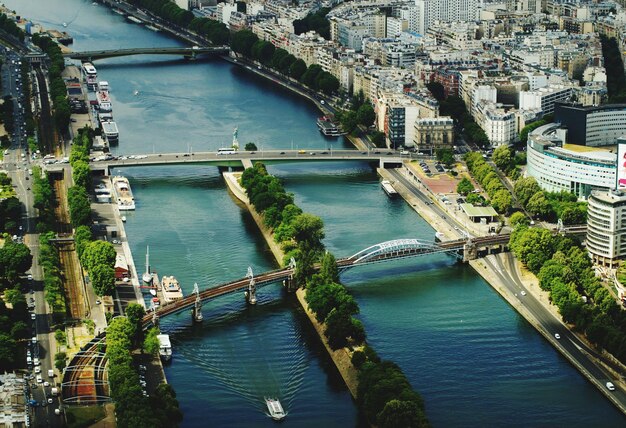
[557, 336]
[523, 293]
[610, 386]
[363, 153]
[33, 317]
[302, 152]
[46, 383]
[50, 400]
[377, 152]
[324, 153]
[186, 154]
[98, 302]
[30, 277]
[389, 153]
[311, 153]
[282, 153]
[37, 370]
[28, 188]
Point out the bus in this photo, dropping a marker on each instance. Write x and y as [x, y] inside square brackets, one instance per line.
[226, 151]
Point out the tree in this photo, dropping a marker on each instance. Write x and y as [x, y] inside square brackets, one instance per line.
[297, 69]
[539, 205]
[13, 296]
[242, 42]
[81, 174]
[20, 330]
[151, 342]
[15, 259]
[502, 201]
[437, 90]
[250, 147]
[82, 237]
[525, 188]
[103, 279]
[365, 115]
[80, 207]
[398, 413]
[445, 156]
[465, 186]
[503, 158]
[135, 314]
[519, 218]
[98, 252]
[328, 269]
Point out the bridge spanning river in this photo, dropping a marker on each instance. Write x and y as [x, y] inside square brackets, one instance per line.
[383, 157]
[390, 250]
[183, 51]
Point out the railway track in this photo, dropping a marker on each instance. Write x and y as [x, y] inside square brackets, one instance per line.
[85, 379]
[47, 132]
[71, 280]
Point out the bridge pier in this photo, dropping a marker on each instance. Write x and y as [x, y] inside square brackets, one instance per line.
[470, 252]
[290, 283]
[196, 311]
[251, 292]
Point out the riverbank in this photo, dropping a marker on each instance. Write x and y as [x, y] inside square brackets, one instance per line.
[495, 277]
[341, 357]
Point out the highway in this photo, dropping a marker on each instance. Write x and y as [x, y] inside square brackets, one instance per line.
[577, 352]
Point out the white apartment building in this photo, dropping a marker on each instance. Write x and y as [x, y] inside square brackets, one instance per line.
[544, 98]
[606, 227]
[498, 124]
[395, 26]
[448, 10]
[482, 93]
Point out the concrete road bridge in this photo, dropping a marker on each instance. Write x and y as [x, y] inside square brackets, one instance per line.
[385, 158]
[391, 250]
[186, 52]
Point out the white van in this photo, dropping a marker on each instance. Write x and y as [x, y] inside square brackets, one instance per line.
[29, 360]
[39, 379]
[50, 373]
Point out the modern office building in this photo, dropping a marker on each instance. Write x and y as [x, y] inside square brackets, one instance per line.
[606, 227]
[558, 166]
[593, 126]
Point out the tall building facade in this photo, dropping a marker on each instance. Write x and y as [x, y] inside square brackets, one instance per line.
[447, 10]
[606, 227]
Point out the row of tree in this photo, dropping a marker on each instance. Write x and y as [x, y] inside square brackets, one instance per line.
[616, 81]
[14, 327]
[487, 176]
[385, 394]
[52, 280]
[58, 92]
[98, 258]
[549, 206]
[508, 161]
[8, 25]
[166, 9]
[565, 270]
[334, 306]
[15, 260]
[398, 404]
[360, 113]
[78, 195]
[246, 43]
[44, 200]
[131, 407]
[10, 206]
[6, 114]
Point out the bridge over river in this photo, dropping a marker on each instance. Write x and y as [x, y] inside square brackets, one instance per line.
[391, 250]
[383, 157]
[183, 51]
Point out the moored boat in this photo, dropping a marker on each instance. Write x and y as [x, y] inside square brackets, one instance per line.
[388, 188]
[275, 408]
[328, 127]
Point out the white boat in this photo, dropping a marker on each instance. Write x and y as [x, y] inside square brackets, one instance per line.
[135, 92]
[153, 28]
[153, 291]
[275, 408]
[110, 131]
[103, 85]
[171, 289]
[147, 276]
[135, 20]
[123, 219]
[104, 101]
[123, 195]
[91, 75]
[165, 347]
[388, 188]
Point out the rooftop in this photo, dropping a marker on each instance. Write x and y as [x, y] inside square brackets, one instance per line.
[473, 211]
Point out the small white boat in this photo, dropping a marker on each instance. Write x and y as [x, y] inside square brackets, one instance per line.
[65, 24]
[275, 408]
[123, 219]
[153, 291]
[135, 92]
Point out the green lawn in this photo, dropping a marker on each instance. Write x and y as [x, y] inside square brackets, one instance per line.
[81, 417]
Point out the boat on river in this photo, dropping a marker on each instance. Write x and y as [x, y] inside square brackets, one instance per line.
[275, 408]
[328, 127]
[388, 188]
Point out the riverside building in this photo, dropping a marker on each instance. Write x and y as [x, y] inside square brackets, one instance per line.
[606, 227]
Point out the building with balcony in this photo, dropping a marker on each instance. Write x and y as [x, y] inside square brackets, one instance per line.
[606, 227]
[433, 133]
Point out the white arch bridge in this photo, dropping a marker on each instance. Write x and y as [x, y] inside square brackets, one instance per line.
[390, 250]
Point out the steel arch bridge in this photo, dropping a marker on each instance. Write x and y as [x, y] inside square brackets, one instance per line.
[398, 249]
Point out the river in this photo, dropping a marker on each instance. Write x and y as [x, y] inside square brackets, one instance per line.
[472, 357]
